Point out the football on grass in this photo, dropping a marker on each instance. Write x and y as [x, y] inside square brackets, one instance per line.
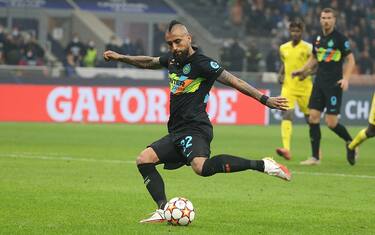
[179, 211]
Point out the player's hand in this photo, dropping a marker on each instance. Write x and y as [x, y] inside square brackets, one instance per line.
[296, 73]
[344, 84]
[111, 55]
[303, 76]
[277, 103]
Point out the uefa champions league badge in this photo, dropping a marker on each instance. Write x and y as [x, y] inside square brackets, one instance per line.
[214, 65]
[186, 69]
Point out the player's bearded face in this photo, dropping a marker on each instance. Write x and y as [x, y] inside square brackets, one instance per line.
[181, 54]
[179, 45]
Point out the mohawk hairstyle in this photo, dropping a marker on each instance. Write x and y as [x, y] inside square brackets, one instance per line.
[173, 23]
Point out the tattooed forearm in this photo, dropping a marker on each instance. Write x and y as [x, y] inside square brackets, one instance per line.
[144, 62]
[228, 79]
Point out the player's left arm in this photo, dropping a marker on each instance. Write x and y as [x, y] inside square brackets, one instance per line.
[230, 80]
[348, 69]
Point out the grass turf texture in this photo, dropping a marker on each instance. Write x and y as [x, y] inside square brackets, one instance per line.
[82, 179]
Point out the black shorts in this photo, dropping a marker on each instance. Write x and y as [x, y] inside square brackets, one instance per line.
[181, 149]
[326, 97]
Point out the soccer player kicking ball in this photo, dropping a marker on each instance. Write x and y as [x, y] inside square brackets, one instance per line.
[330, 48]
[368, 132]
[191, 76]
[294, 54]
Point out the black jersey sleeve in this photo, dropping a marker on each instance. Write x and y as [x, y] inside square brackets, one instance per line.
[163, 60]
[345, 46]
[210, 68]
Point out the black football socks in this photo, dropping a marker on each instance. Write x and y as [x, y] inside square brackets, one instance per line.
[342, 132]
[225, 163]
[154, 183]
[315, 136]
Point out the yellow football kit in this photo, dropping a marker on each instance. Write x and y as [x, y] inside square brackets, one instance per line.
[293, 89]
[361, 136]
[371, 118]
[294, 58]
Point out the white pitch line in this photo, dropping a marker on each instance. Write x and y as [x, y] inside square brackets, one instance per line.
[64, 158]
[333, 174]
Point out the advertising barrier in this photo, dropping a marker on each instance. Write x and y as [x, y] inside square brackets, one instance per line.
[149, 104]
[355, 108]
[101, 104]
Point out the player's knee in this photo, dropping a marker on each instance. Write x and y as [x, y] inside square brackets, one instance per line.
[314, 119]
[288, 115]
[146, 156]
[331, 123]
[197, 165]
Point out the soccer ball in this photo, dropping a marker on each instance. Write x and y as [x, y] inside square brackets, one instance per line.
[179, 211]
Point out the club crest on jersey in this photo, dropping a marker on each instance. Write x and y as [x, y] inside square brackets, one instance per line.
[214, 65]
[186, 69]
[330, 43]
[347, 45]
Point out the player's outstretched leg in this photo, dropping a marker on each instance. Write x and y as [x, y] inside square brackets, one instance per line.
[362, 135]
[225, 163]
[154, 184]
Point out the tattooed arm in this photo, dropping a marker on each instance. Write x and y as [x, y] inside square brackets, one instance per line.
[144, 62]
[230, 80]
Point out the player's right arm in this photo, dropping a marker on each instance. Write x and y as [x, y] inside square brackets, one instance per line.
[307, 68]
[144, 62]
[245, 88]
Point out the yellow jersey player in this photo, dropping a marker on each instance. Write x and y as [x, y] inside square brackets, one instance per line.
[368, 132]
[294, 54]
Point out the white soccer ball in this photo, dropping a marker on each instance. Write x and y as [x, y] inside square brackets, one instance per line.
[179, 211]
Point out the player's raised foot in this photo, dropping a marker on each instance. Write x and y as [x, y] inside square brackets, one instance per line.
[351, 155]
[283, 152]
[271, 167]
[310, 162]
[156, 217]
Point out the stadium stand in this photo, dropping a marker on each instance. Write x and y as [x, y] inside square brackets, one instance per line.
[243, 34]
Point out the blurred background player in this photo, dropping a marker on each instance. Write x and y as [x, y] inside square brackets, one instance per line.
[368, 132]
[294, 54]
[329, 50]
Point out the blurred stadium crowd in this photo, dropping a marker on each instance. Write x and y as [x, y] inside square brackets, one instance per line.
[19, 48]
[245, 23]
[270, 18]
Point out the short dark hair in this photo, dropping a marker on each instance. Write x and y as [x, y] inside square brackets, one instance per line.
[329, 10]
[173, 23]
[297, 23]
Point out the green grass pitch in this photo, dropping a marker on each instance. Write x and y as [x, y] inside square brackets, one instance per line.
[82, 179]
